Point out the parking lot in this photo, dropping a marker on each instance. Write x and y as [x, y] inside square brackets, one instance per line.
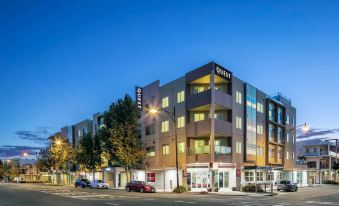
[32, 194]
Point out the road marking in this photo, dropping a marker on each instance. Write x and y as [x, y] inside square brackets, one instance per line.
[88, 196]
[180, 201]
[109, 203]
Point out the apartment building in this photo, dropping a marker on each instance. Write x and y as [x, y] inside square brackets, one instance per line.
[320, 158]
[229, 133]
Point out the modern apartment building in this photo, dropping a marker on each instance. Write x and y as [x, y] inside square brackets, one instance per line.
[320, 158]
[81, 129]
[226, 130]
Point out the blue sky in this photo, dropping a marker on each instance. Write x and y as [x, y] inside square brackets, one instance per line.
[62, 61]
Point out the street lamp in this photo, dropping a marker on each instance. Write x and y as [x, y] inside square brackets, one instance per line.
[25, 154]
[58, 142]
[172, 116]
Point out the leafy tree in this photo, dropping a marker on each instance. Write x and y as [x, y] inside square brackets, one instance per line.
[62, 155]
[45, 160]
[2, 172]
[90, 151]
[121, 139]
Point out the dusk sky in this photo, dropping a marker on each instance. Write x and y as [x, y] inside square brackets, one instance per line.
[62, 61]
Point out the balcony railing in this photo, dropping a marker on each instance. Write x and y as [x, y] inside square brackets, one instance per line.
[222, 150]
[199, 150]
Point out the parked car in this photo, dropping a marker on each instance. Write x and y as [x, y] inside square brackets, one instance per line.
[287, 186]
[139, 186]
[99, 184]
[82, 183]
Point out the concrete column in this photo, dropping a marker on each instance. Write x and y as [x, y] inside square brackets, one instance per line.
[212, 137]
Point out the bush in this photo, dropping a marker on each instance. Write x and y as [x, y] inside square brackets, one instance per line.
[251, 188]
[330, 182]
[180, 189]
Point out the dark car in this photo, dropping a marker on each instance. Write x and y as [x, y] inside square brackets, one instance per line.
[287, 186]
[139, 186]
[82, 183]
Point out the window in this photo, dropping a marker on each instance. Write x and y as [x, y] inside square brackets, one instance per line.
[293, 122]
[270, 176]
[280, 135]
[249, 176]
[219, 116]
[287, 137]
[260, 129]
[271, 112]
[198, 89]
[199, 117]
[260, 107]
[181, 122]
[149, 130]
[260, 151]
[280, 115]
[165, 126]
[287, 119]
[181, 96]
[292, 155]
[220, 147]
[151, 177]
[150, 151]
[293, 139]
[201, 147]
[165, 149]
[238, 123]
[165, 102]
[260, 176]
[238, 148]
[181, 147]
[238, 97]
[287, 155]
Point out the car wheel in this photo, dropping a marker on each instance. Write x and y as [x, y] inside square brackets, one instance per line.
[127, 189]
[278, 190]
[296, 189]
[98, 187]
[141, 190]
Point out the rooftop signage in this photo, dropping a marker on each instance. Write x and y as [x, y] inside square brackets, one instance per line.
[223, 73]
[138, 97]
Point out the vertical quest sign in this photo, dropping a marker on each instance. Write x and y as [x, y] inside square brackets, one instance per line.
[138, 97]
[223, 73]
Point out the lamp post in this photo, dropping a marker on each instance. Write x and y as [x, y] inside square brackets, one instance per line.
[172, 116]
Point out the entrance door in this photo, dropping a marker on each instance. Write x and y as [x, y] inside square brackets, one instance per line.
[221, 179]
[200, 180]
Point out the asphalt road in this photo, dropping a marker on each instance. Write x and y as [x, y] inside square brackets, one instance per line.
[41, 195]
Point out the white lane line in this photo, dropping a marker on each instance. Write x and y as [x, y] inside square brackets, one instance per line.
[109, 203]
[89, 196]
[180, 201]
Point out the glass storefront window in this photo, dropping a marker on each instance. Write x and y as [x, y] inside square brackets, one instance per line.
[200, 179]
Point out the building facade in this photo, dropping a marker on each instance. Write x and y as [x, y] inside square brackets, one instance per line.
[320, 158]
[227, 136]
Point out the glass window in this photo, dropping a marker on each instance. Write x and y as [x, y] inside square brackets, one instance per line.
[287, 154]
[260, 129]
[249, 176]
[165, 126]
[260, 176]
[165, 102]
[238, 147]
[198, 89]
[287, 119]
[151, 177]
[287, 137]
[219, 116]
[181, 147]
[271, 132]
[165, 149]
[181, 122]
[280, 135]
[238, 122]
[293, 138]
[260, 107]
[270, 176]
[292, 155]
[201, 147]
[150, 130]
[199, 117]
[238, 97]
[150, 151]
[260, 151]
[181, 96]
[271, 112]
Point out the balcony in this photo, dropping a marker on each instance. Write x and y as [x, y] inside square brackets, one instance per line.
[203, 128]
[201, 101]
[199, 150]
[316, 154]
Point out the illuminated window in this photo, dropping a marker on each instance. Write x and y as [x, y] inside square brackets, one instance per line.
[181, 122]
[181, 147]
[181, 96]
[165, 126]
[199, 117]
[238, 122]
[287, 154]
[238, 97]
[260, 129]
[198, 89]
[150, 151]
[238, 148]
[165, 149]
[165, 102]
[260, 107]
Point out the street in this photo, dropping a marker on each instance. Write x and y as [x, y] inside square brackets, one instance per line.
[32, 195]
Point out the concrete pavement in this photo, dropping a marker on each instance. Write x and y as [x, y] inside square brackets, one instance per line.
[30, 194]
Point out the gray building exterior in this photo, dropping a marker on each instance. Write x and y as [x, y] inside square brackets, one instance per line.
[80, 129]
[252, 132]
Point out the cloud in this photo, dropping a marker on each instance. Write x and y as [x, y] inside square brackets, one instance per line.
[39, 135]
[316, 133]
[12, 151]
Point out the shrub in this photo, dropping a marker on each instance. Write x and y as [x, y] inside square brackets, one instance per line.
[330, 182]
[251, 188]
[180, 189]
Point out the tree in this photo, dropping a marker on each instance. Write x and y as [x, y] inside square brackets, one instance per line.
[45, 160]
[90, 151]
[2, 172]
[121, 141]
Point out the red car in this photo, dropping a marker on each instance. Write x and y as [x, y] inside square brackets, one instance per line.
[139, 186]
